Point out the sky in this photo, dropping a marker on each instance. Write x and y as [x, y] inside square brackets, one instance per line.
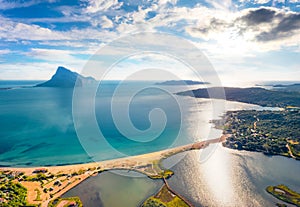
[244, 40]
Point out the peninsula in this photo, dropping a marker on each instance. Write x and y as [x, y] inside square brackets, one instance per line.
[40, 185]
[273, 132]
[181, 82]
[291, 87]
[254, 95]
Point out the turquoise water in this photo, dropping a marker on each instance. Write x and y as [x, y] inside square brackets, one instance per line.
[37, 126]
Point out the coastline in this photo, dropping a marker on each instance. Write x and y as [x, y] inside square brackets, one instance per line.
[261, 131]
[148, 164]
[131, 162]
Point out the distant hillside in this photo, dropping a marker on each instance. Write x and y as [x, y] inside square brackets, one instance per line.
[181, 82]
[293, 87]
[259, 96]
[65, 78]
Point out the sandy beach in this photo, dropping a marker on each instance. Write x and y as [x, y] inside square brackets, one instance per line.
[72, 175]
[126, 162]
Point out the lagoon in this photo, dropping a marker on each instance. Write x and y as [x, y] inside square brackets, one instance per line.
[115, 188]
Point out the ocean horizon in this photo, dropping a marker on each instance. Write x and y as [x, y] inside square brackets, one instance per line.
[40, 131]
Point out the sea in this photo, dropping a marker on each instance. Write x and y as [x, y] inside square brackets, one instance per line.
[58, 126]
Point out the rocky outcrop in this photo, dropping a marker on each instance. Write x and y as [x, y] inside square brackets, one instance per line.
[66, 78]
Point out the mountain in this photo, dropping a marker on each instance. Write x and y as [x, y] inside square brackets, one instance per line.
[255, 95]
[65, 78]
[181, 82]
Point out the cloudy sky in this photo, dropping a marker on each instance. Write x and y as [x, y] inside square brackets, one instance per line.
[245, 40]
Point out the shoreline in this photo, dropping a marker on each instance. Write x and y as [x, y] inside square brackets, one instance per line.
[72, 175]
[140, 159]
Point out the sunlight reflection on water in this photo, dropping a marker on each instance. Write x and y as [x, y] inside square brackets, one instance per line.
[216, 172]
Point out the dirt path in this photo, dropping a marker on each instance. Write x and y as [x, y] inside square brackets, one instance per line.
[290, 151]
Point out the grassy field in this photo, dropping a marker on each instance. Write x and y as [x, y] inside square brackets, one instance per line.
[164, 198]
[65, 202]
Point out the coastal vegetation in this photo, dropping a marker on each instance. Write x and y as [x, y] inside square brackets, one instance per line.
[281, 205]
[38, 195]
[12, 194]
[285, 194]
[270, 132]
[163, 174]
[158, 171]
[255, 95]
[71, 201]
[23, 189]
[165, 198]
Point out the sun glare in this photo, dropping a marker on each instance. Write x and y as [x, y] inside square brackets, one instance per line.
[232, 42]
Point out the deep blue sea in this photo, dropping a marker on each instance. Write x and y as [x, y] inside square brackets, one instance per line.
[37, 124]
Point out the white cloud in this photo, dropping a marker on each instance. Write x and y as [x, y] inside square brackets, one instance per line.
[164, 2]
[220, 31]
[101, 5]
[278, 1]
[56, 57]
[260, 29]
[4, 4]
[27, 71]
[51, 55]
[140, 66]
[13, 30]
[106, 23]
[70, 43]
[5, 51]
[221, 4]
[200, 22]
[262, 1]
